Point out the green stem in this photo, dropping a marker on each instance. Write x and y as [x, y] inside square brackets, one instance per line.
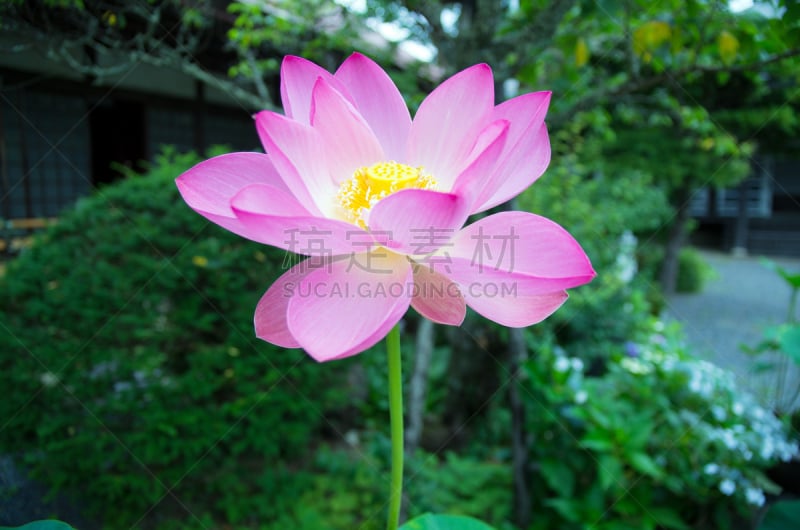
[396, 421]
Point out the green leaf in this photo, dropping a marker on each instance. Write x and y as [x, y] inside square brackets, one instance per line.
[568, 509]
[668, 518]
[639, 434]
[558, 476]
[763, 366]
[598, 440]
[644, 464]
[792, 279]
[611, 472]
[430, 521]
[790, 342]
[782, 515]
[49, 524]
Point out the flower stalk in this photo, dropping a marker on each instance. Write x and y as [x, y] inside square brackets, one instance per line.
[396, 425]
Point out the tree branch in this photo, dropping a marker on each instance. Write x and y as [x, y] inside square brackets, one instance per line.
[646, 83]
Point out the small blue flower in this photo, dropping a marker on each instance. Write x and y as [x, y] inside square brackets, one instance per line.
[631, 349]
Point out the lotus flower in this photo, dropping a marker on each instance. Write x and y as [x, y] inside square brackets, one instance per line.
[378, 202]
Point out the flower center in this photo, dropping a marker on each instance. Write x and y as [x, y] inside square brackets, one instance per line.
[358, 194]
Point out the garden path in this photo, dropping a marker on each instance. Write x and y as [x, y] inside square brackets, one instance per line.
[733, 309]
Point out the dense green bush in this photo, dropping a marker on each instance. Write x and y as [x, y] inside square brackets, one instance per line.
[347, 488]
[693, 271]
[660, 440]
[133, 380]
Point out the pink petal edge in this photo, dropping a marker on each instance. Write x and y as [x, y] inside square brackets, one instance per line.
[294, 151]
[338, 312]
[418, 221]
[298, 76]
[209, 186]
[271, 310]
[347, 140]
[448, 121]
[519, 312]
[286, 227]
[436, 297]
[379, 101]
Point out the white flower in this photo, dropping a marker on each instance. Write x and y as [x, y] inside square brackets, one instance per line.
[718, 413]
[727, 487]
[738, 408]
[657, 338]
[767, 449]
[561, 365]
[788, 451]
[626, 259]
[635, 366]
[48, 379]
[576, 364]
[711, 469]
[581, 396]
[729, 439]
[352, 438]
[754, 496]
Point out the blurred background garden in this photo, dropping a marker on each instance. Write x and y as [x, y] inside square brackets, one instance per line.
[135, 394]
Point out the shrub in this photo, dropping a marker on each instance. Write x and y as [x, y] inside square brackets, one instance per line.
[345, 487]
[659, 441]
[132, 377]
[693, 271]
[463, 485]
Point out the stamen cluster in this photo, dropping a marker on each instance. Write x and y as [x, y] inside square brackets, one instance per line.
[358, 194]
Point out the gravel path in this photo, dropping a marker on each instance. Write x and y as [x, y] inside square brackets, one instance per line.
[733, 309]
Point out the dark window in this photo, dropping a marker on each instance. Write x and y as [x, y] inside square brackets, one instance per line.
[117, 137]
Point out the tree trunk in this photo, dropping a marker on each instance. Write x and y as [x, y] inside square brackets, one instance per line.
[418, 386]
[519, 451]
[675, 241]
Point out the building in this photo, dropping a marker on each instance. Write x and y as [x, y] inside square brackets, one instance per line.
[761, 216]
[61, 134]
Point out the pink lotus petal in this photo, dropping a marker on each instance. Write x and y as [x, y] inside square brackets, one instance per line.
[527, 151]
[298, 76]
[436, 297]
[524, 112]
[519, 311]
[513, 262]
[264, 219]
[295, 152]
[342, 309]
[447, 123]
[471, 182]
[518, 170]
[270, 316]
[418, 221]
[521, 243]
[347, 140]
[379, 102]
[209, 186]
